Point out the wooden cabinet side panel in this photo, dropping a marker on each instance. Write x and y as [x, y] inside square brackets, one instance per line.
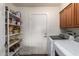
[77, 15]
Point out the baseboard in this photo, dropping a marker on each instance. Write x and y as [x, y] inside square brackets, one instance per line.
[35, 55]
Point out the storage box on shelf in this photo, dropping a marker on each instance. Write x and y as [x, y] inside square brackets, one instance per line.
[12, 53]
[14, 49]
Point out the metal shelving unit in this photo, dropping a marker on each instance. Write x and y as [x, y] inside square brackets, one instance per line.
[12, 53]
[14, 43]
[14, 34]
[8, 35]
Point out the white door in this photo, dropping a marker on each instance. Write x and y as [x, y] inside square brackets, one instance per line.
[38, 33]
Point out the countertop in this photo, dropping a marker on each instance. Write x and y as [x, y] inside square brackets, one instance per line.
[67, 47]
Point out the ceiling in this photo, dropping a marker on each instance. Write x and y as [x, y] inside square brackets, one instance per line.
[37, 4]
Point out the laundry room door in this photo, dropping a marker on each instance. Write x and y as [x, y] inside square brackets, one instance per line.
[38, 32]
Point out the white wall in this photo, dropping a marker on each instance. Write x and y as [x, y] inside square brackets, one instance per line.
[2, 29]
[52, 22]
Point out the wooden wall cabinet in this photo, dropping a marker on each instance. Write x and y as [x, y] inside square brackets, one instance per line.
[69, 16]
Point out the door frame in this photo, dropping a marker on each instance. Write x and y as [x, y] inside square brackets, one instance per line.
[41, 13]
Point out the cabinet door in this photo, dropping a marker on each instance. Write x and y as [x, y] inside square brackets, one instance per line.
[63, 19]
[77, 15]
[70, 16]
